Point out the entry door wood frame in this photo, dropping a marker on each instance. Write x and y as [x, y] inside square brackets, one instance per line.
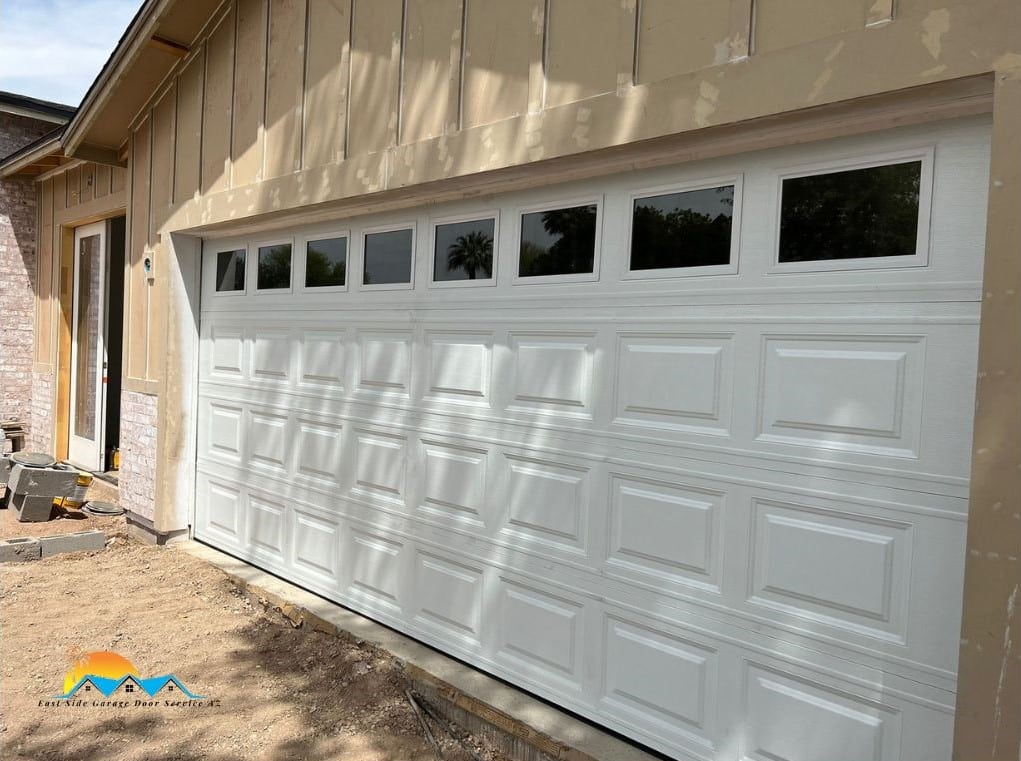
[83, 451]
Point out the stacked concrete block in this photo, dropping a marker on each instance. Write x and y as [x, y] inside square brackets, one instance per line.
[5, 473]
[32, 490]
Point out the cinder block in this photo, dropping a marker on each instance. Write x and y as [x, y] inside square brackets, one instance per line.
[42, 482]
[28, 509]
[20, 549]
[83, 541]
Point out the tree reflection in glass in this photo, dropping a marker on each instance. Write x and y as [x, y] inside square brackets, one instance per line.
[558, 242]
[689, 229]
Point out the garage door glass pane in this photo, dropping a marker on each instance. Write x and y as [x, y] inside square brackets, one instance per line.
[230, 270]
[387, 257]
[853, 214]
[274, 267]
[326, 263]
[690, 229]
[464, 250]
[558, 241]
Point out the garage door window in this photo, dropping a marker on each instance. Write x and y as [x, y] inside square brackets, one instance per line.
[389, 257]
[676, 233]
[856, 217]
[559, 242]
[326, 262]
[230, 271]
[274, 267]
[463, 250]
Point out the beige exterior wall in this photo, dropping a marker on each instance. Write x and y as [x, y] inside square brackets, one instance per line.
[284, 104]
[68, 198]
[287, 110]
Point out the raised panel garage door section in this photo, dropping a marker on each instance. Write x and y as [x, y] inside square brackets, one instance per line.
[684, 451]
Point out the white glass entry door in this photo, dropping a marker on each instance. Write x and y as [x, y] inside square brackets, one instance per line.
[88, 347]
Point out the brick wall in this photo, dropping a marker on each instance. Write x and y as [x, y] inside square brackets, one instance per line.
[138, 453]
[17, 278]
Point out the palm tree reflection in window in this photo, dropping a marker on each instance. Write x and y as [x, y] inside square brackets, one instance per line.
[472, 253]
[464, 250]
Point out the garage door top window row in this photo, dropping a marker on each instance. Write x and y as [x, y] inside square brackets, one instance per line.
[829, 217]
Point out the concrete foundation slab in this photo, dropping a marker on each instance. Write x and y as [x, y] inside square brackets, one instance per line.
[19, 549]
[31, 509]
[82, 541]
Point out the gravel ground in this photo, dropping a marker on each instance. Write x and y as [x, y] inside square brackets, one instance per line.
[280, 693]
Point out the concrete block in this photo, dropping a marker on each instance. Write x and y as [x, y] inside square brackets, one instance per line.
[83, 541]
[29, 509]
[19, 549]
[42, 482]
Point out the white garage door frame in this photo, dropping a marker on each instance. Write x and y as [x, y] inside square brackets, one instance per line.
[767, 670]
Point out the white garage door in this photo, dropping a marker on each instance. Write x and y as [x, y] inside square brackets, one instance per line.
[684, 450]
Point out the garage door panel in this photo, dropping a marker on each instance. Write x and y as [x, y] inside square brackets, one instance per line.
[540, 631]
[315, 548]
[682, 382]
[319, 450]
[553, 373]
[853, 401]
[374, 570]
[833, 566]
[459, 367]
[226, 355]
[384, 363]
[665, 533]
[455, 483]
[792, 719]
[267, 528]
[269, 439]
[323, 360]
[223, 517]
[271, 356]
[543, 501]
[724, 514]
[380, 465]
[448, 597]
[658, 678]
[858, 393]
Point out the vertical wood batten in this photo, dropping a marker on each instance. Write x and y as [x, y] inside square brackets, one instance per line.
[879, 12]
[285, 73]
[499, 51]
[432, 43]
[627, 45]
[164, 119]
[375, 75]
[247, 134]
[326, 82]
[537, 55]
[137, 306]
[188, 139]
[742, 14]
[218, 106]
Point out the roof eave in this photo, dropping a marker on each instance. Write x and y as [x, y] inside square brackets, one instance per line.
[18, 161]
[134, 39]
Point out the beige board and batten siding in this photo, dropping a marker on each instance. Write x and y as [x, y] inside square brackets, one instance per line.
[83, 193]
[307, 103]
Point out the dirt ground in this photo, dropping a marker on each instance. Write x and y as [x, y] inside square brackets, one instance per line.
[279, 693]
